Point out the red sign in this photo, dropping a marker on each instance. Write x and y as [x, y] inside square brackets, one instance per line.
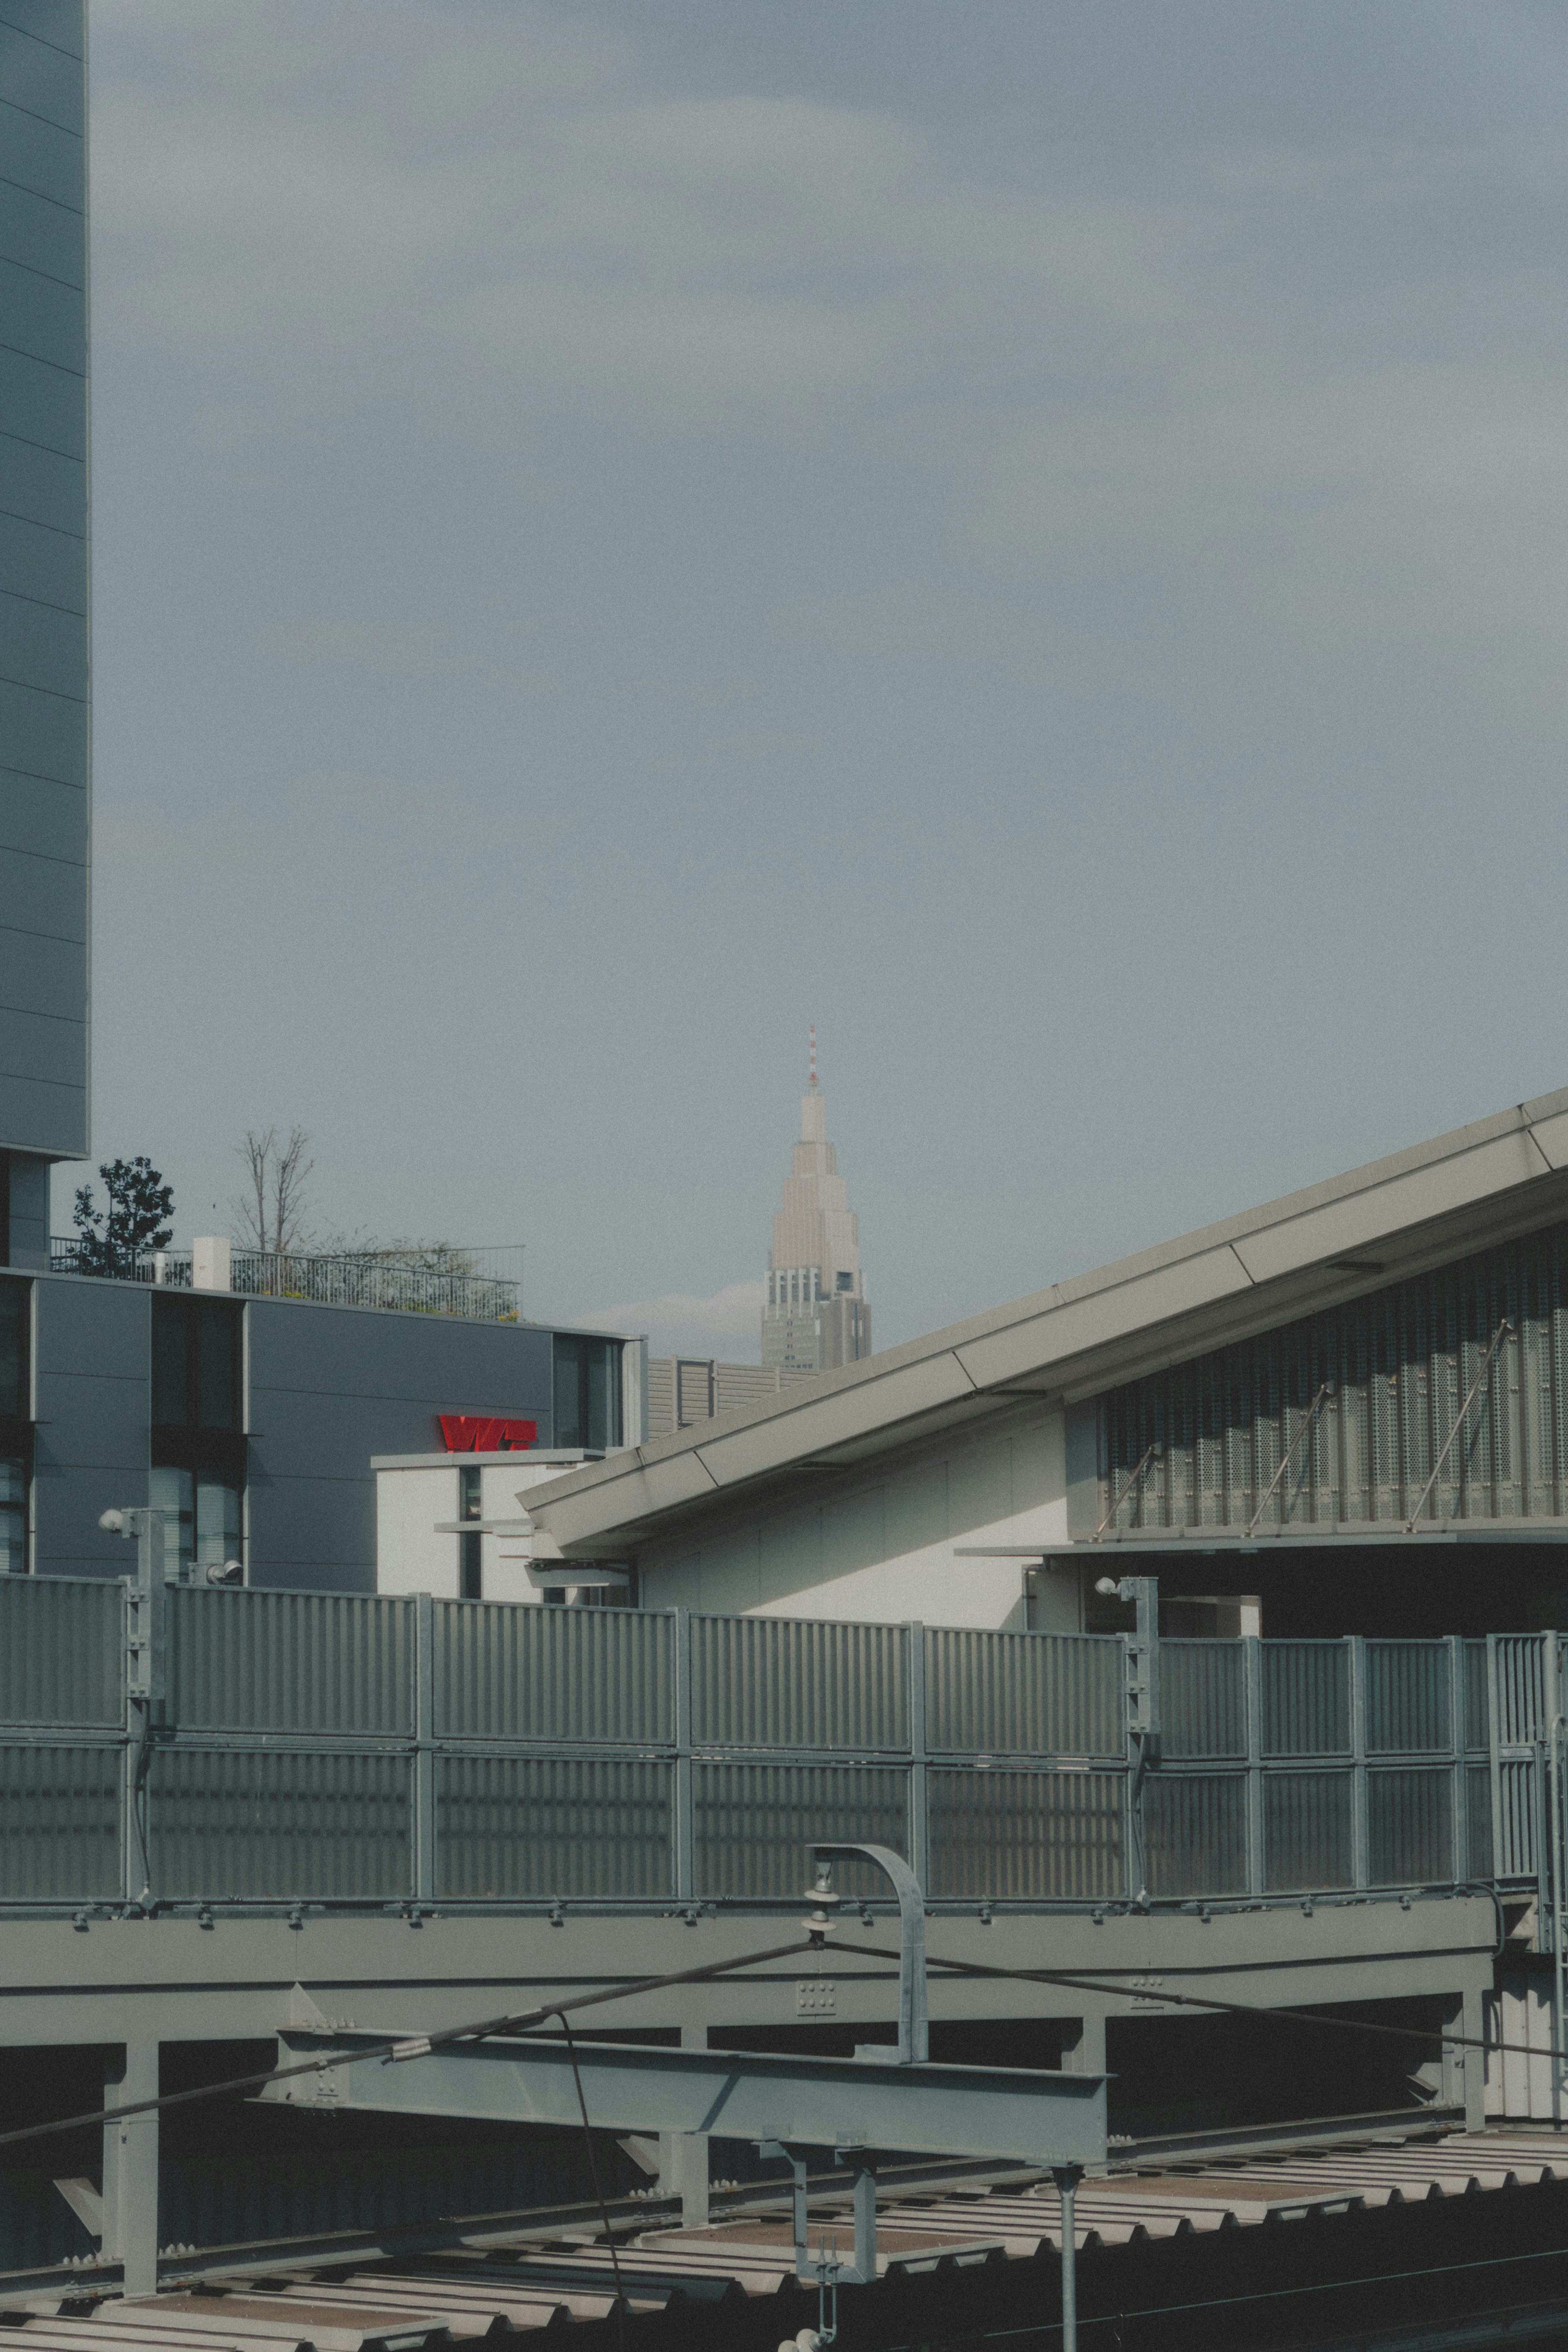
[474, 1433]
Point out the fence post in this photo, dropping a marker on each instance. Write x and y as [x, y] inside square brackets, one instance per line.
[424, 1874]
[686, 1812]
[1360, 1814]
[145, 1685]
[1252, 1654]
[1461, 1837]
[919, 1776]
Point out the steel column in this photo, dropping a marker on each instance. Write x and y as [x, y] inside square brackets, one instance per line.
[423, 1840]
[131, 2167]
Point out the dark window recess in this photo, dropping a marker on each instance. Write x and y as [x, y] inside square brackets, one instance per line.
[195, 1364]
[15, 1399]
[469, 1494]
[5, 1208]
[588, 1393]
[468, 1569]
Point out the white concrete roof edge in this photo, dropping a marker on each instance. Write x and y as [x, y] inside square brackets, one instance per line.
[799, 1411]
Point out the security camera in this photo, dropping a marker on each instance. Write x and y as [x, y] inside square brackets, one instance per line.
[112, 1523]
[225, 1571]
[1108, 1586]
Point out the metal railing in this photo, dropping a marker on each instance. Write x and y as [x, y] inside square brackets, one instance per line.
[479, 1285]
[269, 1749]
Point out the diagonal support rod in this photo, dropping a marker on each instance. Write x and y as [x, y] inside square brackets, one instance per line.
[1285, 1459]
[1497, 1340]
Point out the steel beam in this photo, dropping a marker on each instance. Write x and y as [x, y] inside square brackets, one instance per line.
[925, 2110]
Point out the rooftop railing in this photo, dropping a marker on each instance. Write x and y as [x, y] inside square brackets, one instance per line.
[354, 1751]
[481, 1284]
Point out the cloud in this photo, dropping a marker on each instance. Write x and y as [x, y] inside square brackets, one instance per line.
[402, 653]
[727, 1325]
[501, 224]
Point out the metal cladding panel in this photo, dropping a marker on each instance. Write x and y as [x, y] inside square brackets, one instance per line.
[1409, 1694]
[754, 1823]
[236, 1822]
[59, 1651]
[1194, 1832]
[1306, 1698]
[1012, 1834]
[1410, 1826]
[1307, 1830]
[1023, 1694]
[1515, 1856]
[1477, 1702]
[329, 1661]
[506, 1673]
[786, 1682]
[553, 1825]
[1203, 1698]
[1339, 1418]
[60, 1823]
[1478, 1802]
[1520, 1692]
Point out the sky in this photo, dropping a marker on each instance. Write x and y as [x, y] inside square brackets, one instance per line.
[1035, 537]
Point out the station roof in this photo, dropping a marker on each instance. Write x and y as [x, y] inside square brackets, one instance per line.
[1330, 1243]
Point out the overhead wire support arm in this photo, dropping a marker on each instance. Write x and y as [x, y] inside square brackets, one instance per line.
[1267, 1497]
[1498, 1337]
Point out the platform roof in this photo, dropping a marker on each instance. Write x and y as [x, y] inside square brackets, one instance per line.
[1329, 1242]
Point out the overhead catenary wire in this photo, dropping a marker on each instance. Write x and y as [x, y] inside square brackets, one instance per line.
[402, 2046]
[1114, 1980]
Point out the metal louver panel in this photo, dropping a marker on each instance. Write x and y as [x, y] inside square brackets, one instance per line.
[1342, 1418]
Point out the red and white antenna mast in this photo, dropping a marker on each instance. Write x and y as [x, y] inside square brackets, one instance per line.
[813, 1080]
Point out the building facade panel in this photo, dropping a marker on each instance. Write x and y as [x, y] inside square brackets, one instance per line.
[40, 485]
[41, 975]
[43, 406]
[37, 1116]
[35, 233]
[40, 76]
[43, 563]
[45, 648]
[45, 819]
[92, 1353]
[329, 1388]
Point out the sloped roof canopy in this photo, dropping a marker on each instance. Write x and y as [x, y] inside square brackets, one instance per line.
[1335, 1241]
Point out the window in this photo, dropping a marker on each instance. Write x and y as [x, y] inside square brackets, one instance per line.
[195, 1363]
[587, 1393]
[208, 1526]
[199, 1455]
[470, 1505]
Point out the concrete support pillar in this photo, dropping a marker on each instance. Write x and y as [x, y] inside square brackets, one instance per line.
[131, 2169]
[683, 2155]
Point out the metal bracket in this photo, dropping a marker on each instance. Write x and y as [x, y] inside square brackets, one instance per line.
[913, 2024]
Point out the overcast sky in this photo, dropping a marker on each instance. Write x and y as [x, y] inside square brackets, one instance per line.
[1034, 536]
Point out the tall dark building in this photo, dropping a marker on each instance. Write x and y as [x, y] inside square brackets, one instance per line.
[44, 692]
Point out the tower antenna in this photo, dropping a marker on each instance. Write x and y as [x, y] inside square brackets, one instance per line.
[813, 1080]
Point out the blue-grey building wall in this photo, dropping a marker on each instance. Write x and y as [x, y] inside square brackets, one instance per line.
[327, 1387]
[92, 1359]
[330, 1387]
[43, 673]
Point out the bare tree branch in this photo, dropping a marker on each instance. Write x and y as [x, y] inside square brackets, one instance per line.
[270, 1213]
[291, 1172]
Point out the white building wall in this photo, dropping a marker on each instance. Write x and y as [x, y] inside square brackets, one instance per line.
[889, 1545]
[417, 1494]
[409, 1557]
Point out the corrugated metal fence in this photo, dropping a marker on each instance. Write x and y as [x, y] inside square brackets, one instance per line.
[360, 1750]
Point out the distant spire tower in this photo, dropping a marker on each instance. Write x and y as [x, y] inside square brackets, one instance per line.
[815, 1315]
